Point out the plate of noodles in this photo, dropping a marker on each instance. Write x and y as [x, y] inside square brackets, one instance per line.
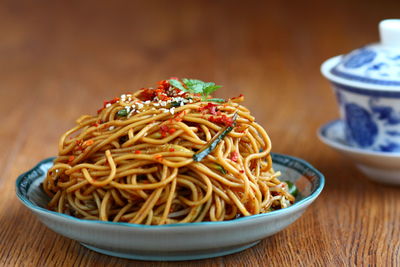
[169, 173]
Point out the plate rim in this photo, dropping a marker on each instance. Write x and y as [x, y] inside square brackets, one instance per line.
[320, 183]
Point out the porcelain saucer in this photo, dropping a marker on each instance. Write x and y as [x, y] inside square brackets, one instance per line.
[383, 167]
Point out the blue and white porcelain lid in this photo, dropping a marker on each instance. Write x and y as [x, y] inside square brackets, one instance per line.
[375, 66]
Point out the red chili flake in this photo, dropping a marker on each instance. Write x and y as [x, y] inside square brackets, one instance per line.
[71, 158]
[236, 97]
[94, 124]
[171, 149]
[147, 94]
[209, 108]
[112, 101]
[163, 83]
[164, 130]
[138, 152]
[171, 130]
[88, 142]
[159, 91]
[164, 97]
[99, 110]
[241, 171]
[227, 121]
[234, 156]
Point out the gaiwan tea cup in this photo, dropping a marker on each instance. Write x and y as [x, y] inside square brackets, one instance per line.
[367, 86]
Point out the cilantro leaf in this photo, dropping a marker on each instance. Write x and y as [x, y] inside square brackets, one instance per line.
[177, 84]
[211, 88]
[195, 86]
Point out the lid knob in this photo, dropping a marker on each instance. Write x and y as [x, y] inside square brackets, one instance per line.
[389, 30]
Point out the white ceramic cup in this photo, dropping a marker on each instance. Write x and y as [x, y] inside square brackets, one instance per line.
[367, 86]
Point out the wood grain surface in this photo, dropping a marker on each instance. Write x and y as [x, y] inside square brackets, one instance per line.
[60, 60]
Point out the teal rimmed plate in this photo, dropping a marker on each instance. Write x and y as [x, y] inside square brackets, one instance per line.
[174, 242]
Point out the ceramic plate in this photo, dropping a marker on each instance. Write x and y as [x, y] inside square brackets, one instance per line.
[175, 241]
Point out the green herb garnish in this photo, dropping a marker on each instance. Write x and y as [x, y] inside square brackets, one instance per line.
[122, 113]
[176, 104]
[217, 100]
[177, 84]
[212, 144]
[292, 188]
[195, 86]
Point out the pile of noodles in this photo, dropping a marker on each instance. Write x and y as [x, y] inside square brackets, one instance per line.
[135, 161]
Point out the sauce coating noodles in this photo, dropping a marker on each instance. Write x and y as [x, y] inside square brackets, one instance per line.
[135, 161]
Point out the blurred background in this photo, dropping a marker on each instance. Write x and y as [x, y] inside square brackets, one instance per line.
[60, 59]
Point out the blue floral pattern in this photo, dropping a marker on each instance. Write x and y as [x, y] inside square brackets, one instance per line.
[384, 113]
[372, 64]
[359, 58]
[371, 122]
[361, 127]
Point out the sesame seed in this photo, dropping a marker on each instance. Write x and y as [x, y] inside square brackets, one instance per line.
[172, 110]
[163, 103]
[123, 96]
[181, 104]
[108, 105]
[111, 128]
[139, 105]
[156, 104]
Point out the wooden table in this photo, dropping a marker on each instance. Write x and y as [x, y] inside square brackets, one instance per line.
[58, 61]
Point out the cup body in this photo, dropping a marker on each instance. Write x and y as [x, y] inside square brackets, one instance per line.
[371, 117]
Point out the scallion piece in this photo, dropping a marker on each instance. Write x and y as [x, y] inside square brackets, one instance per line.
[212, 144]
[292, 188]
[122, 113]
[217, 100]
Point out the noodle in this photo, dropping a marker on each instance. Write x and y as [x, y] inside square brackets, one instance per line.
[166, 155]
